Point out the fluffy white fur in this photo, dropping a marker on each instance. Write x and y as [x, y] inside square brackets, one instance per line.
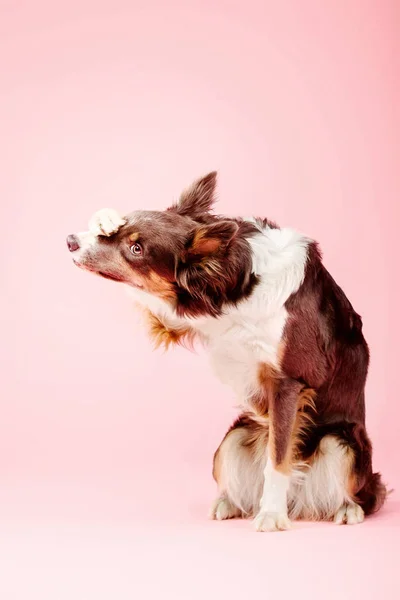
[316, 493]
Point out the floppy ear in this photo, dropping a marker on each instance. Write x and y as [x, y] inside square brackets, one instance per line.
[209, 239]
[198, 198]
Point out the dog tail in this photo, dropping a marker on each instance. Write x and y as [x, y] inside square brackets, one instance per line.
[373, 494]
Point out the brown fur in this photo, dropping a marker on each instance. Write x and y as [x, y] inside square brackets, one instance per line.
[268, 381]
[158, 285]
[202, 263]
[279, 397]
[259, 424]
[164, 336]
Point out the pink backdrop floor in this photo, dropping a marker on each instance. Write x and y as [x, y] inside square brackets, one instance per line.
[98, 542]
[106, 447]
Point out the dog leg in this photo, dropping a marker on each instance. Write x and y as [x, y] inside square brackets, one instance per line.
[273, 513]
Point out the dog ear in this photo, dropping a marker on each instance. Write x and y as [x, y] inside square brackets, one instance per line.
[198, 199]
[209, 239]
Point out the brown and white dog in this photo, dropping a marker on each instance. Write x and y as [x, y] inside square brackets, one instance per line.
[279, 331]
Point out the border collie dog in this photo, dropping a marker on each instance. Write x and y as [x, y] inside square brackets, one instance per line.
[278, 330]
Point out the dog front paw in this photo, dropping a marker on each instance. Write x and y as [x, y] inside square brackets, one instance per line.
[223, 509]
[105, 222]
[271, 521]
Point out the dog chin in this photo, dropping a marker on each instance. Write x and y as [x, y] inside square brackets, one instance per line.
[103, 274]
[109, 276]
[136, 286]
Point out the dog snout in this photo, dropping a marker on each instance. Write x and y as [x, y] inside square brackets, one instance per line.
[72, 243]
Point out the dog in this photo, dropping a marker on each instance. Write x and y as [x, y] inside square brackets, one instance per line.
[279, 331]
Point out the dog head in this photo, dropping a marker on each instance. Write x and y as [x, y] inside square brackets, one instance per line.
[185, 254]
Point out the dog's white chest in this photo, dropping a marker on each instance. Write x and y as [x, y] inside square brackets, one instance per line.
[239, 341]
[251, 333]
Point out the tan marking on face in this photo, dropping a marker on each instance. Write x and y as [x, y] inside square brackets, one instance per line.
[152, 283]
[134, 237]
[156, 284]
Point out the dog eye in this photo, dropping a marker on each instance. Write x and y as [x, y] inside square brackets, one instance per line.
[136, 249]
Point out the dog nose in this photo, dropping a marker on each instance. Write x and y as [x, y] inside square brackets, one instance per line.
[72, 243]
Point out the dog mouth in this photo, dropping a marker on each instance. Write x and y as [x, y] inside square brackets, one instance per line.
[107, 274]
[91, 269]
[113, 277]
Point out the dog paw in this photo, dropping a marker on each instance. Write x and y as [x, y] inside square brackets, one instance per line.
[223, 509]
[105, 222]
[349, 514]
[271, 521]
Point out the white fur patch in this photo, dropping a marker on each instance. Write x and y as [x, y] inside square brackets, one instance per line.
[223, 509]
[275, 490]
[241, 477]
[86, 241]
[323, 489]
[317, 492]
[271, 521]
[349, 514]
[105, 222]
[273, 504]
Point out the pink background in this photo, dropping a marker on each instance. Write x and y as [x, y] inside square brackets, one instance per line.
[106, 447]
